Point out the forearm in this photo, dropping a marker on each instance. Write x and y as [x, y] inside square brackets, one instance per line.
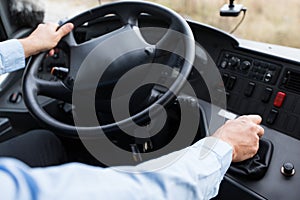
[195, 174]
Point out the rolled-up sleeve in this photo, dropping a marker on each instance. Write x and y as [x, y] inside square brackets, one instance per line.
[195, 174]
[12, 56]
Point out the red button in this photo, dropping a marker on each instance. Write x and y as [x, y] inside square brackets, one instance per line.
[279, 99]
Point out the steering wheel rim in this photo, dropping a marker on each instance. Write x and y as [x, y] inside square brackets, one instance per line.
[33, 86]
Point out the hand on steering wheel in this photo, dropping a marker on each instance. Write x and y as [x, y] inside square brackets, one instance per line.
[131, 49]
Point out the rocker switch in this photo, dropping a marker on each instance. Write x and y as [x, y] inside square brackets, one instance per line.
[272, 116]
[279, 99]
[249, 89]
[267, 95]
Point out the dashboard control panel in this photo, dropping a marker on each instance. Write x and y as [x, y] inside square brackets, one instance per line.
[252, 68]
[270, 89]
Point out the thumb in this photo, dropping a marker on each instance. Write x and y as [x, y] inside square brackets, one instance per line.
[65, 29]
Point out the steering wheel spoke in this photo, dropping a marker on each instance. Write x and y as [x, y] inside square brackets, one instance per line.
[54, 89]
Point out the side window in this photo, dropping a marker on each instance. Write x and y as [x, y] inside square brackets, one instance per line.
[18, 17]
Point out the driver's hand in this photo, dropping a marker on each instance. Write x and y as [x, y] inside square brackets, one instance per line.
[44, 37]
[243, 135]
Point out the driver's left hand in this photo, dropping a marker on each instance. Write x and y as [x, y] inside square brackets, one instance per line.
[44, 37]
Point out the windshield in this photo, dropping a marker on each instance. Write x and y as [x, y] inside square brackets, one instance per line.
[60, 10]
[271, 21]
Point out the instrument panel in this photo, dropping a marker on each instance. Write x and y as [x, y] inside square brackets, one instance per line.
[255, 85]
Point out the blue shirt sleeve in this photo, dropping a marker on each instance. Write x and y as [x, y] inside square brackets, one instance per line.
[196, 174]
[12, 56]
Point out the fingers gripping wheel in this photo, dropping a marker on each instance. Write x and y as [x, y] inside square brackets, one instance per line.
[128, 12]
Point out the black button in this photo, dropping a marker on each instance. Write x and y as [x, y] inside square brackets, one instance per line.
[268, 77]
[288, 169]
[245, 65]
[249, 89]
[272, 116]
[15, 97]
[234, 62]
[267, 95]
[231, 82]
[224, 64]
[225, 78]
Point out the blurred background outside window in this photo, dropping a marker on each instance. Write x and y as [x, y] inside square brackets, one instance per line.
[270, 21]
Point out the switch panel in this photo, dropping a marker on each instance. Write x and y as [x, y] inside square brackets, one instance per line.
[255, 69]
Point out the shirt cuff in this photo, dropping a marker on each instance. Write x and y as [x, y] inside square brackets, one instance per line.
[221, 149]
[12, 56]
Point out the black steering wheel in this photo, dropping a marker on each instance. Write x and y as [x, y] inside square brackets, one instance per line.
[128, 12]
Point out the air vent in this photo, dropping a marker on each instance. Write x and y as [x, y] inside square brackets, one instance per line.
[291, 81]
